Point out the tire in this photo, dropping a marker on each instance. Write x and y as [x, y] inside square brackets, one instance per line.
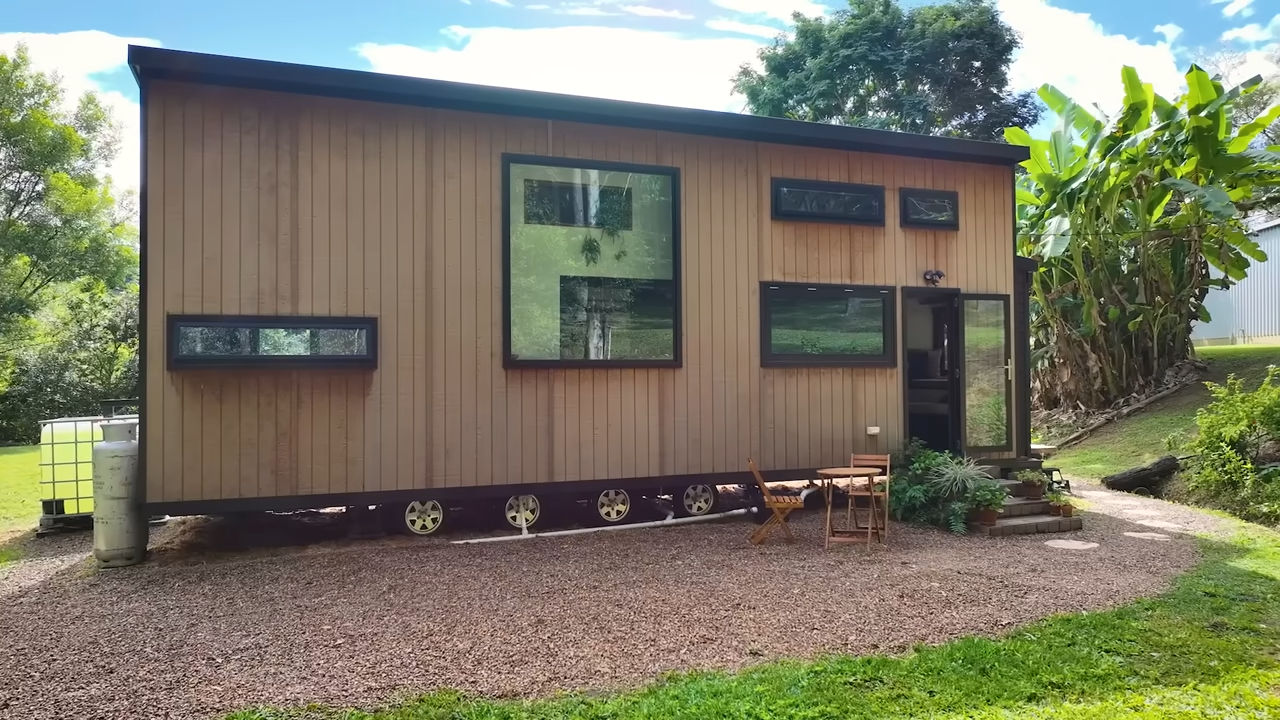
[695, 500]
[613, 505]
[527, 505]
[423, 517]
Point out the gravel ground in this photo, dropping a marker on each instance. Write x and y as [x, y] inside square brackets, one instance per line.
[358, 622]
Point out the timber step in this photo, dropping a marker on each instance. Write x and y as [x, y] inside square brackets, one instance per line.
[1028, 525]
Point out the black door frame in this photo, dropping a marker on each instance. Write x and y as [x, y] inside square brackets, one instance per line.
[1023, 268]
[955, 360]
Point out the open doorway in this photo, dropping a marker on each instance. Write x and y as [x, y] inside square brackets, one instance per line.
[931, 382]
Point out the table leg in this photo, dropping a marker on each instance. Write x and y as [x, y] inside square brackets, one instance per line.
[826, 493]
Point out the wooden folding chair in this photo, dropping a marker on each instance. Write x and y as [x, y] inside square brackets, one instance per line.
[781, 505]
[876, 490]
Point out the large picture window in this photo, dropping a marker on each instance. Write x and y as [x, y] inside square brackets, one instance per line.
[592, 257]
[252, 341]
[804, 324]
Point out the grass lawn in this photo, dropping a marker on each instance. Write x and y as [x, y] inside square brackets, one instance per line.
[1140, 438]
[1206, 649]
[19, 487]
[19, 496]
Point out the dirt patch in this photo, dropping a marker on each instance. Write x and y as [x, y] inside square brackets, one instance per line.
[357, 622]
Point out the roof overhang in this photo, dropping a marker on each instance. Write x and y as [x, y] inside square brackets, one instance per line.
[149, 63]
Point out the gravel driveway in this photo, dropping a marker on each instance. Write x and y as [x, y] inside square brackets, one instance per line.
[355, 623]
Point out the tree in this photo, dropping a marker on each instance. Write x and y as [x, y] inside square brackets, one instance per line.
[934, 69]
[1127, 214]
[83, 350]
[58, 219]
[1225, 64]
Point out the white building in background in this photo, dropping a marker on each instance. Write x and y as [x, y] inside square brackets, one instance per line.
[1249, 312]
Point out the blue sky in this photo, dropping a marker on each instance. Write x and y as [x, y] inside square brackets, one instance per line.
[677, 52]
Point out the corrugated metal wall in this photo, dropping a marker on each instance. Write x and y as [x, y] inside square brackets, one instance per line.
[1249, 312]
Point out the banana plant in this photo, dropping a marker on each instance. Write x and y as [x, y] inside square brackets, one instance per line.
[1127, 213]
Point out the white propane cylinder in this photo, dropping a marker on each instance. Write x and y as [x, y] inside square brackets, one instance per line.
[119, 528]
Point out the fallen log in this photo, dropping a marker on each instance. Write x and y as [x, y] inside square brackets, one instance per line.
[1143, 477]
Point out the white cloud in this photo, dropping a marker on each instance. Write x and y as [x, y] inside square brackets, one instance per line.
[1169, 31]
[587, 12]
[678, 70]
[775, 9]
[503, 3]
[646, 11]
[742, 28]
[1093, 74]
[1254, 33]
[1235, 6]
[76, 57]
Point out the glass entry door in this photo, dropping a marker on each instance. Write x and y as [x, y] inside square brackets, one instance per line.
[986, 372]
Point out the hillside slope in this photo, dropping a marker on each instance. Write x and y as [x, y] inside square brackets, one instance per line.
[1140, 438]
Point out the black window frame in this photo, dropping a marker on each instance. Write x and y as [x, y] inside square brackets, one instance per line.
[887, 293]
[904, 197]
[780, 184]
[677, 344]
[176, 361]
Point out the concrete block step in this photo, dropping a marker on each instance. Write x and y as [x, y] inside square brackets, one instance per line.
[1029, 525]
[1020, 506]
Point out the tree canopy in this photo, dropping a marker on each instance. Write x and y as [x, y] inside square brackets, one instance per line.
[58, 219]
[1127, 214]
[933, 69]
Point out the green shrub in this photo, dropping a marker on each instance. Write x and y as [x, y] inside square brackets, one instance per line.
[1240, 420]
[986, 495]
[930, 488]
[1229, 471]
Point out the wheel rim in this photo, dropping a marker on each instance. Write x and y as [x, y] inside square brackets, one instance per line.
[523, 506]
[613, 505]
[698, 499]
[423, 518]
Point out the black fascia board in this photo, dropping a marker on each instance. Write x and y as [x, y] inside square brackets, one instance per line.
[150, 63]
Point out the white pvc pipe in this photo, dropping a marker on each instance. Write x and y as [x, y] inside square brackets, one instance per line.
[671, 519]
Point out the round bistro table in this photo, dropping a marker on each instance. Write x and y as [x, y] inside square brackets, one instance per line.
[828, 477]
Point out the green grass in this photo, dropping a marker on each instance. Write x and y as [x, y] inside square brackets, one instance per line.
[19, 488]
[1206, 649]
[1140, 438]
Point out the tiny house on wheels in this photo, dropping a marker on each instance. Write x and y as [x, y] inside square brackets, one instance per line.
[363, 289]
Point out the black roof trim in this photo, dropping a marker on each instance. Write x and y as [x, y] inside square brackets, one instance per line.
[149, 63]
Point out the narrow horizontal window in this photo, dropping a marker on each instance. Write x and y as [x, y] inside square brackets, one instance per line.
[592, 260]
[938, 209]
[256, 341]
[828, 202]
[813, 325]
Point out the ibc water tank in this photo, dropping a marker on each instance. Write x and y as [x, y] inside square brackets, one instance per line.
[119, 527]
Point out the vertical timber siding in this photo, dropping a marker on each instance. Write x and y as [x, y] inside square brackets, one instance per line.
[264, 203]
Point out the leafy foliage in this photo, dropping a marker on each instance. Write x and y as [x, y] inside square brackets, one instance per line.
[86, 350]
[58, 220]
[932, 69]
[1127, 215]
[1238, 431]
[934, 488]
[986, 495]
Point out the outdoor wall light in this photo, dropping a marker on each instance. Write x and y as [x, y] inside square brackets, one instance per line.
[933, 277]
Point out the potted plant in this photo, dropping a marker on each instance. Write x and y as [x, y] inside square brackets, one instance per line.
[986, 500]
[1055, 499]
[1066, 508]
[1033, 482]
